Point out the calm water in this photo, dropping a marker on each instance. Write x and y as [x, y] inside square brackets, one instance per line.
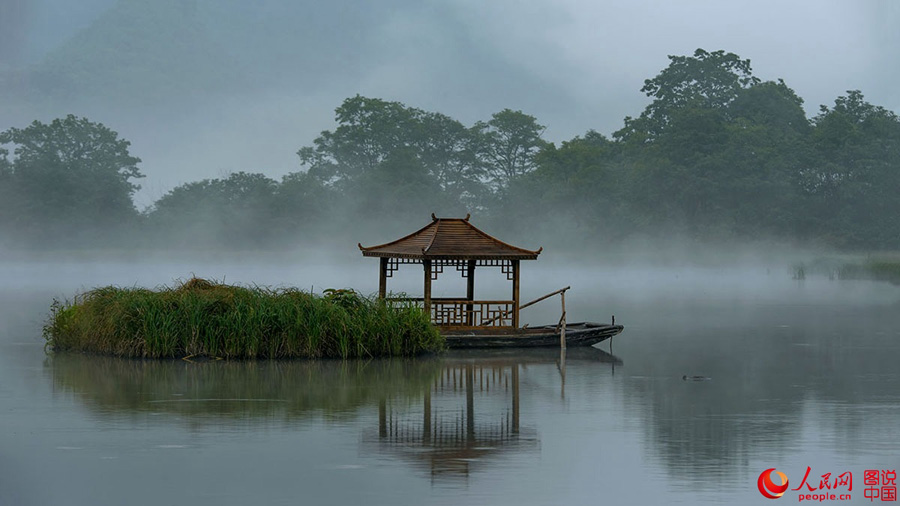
[802, 374]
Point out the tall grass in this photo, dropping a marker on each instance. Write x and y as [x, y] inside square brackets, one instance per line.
[880, 269]
[203, 318]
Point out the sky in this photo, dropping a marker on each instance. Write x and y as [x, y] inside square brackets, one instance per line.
[601, 51]
[574, 64]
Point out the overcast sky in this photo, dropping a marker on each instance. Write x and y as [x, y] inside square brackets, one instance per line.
[575, 64]
[601, 51]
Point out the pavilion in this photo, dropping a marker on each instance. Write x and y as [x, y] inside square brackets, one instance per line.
[456, 243]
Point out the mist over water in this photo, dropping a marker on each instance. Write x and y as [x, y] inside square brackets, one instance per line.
[803, 373]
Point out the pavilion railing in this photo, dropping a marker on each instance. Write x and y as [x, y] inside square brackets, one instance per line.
[466, 313]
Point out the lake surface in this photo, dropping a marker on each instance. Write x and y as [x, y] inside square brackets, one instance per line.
[803, 374]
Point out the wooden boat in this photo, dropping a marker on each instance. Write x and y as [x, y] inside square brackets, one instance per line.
[577, 334]
[526, 356]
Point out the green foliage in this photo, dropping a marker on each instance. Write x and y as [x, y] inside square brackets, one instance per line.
[399, 190]
[70, 173]
[213, 211]
[853, 174]
[882, 267]
[559, 181]
[724, 171]
[704, 80]
[717, 154]
[389, 160]
[511, 139]
[720, 154]
[10, 203]
[202, 318]
[378, 144]
[369, 130]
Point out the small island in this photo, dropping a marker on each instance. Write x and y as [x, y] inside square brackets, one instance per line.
[201, 318]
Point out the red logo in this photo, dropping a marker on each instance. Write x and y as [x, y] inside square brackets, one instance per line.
[768, 488]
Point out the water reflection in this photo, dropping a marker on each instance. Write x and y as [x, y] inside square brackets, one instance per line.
[804, 383]
[794, 384]
[219, 392]
[470, 414]
[447, 416]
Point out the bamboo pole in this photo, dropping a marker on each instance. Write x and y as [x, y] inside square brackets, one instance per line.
[551, 294]
[562, 372]
[515, 398]
[523, 306]
[562, 321]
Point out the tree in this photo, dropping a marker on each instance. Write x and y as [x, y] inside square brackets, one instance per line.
[722, 167]
[9, 199]
[767, 149]
[509, 143]
[71, 172]
[400, 192]
[854, 176]
[554, 193]
[234, 211]
[705, 80]
[373, 131]
[449, 151]
[369, 130]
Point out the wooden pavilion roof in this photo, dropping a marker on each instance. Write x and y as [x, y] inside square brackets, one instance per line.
[451, 239]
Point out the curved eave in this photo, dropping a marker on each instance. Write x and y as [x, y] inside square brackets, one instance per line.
[415, 256]
[425, 245]
[532, 255]
[365, 249]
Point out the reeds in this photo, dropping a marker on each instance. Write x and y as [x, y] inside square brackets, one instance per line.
[203, 318]
[879, 269]
[887, 270]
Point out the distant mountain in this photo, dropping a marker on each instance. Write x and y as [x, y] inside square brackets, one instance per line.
[136, 51]
[141, 53]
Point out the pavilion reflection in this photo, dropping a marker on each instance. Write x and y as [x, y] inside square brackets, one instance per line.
[470, 415]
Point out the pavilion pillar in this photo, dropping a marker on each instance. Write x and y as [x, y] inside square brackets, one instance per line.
[470, 404]
[427, 296]
[426, 417]
[515, 293]
[515, 398]
[382, 278]
[470, 292]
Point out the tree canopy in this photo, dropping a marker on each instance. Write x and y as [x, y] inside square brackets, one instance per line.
[70, 172]
[717, 154]
[706, 80]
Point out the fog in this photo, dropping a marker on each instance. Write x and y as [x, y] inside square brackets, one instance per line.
[208, 89]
